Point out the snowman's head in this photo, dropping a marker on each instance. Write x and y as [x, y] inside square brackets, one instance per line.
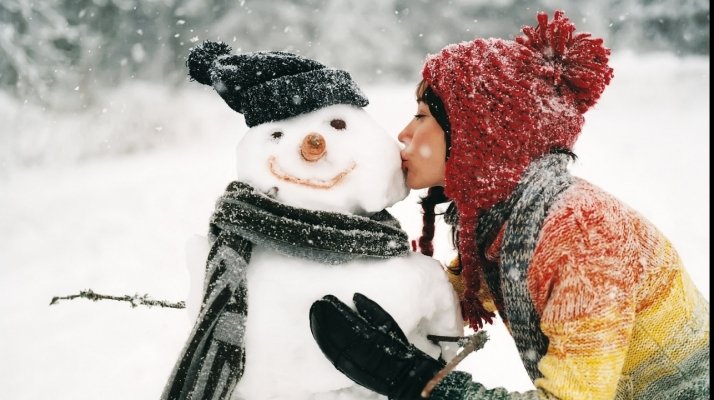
[336, 158]
[311, 145]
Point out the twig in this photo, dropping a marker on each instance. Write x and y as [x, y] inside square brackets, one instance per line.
[471, 344]
[134, 300]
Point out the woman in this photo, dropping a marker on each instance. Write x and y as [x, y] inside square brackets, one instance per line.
[596, 298]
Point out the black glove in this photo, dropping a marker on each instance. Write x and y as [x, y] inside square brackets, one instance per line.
[369, 347]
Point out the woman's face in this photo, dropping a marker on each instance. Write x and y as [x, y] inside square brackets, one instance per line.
[424, 153]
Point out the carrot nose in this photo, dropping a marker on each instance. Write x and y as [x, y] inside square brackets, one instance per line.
[313, 147]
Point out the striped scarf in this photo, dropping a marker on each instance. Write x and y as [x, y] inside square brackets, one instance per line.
[213, 359]
[523, 213]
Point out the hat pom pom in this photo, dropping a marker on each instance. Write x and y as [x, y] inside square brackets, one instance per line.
[576, 63]
[201, 58]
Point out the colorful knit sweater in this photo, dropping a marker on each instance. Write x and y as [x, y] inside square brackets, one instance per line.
[621, 317]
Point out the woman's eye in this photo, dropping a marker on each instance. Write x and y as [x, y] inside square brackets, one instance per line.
[338, 124]
[419, 116]
[276, 135]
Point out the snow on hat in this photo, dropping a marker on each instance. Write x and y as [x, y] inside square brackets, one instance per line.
[508, 103]
[271, 85]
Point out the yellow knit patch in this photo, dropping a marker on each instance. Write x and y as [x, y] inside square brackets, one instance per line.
[580, 377]
[585, 356]
[589, 337]
[658, 330]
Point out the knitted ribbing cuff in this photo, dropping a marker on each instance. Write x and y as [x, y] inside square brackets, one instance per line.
[453, 387]
[458, 385]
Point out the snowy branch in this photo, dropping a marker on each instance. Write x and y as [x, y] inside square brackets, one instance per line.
[469, 344]
[134, 300]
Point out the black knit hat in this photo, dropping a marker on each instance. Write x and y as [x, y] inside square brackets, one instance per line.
[271, 85]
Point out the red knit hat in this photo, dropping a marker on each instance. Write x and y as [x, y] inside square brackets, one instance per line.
[508, 103]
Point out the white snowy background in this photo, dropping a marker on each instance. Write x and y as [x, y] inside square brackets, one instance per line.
[119, 224]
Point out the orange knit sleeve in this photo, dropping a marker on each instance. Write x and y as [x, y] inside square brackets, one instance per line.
[583, 280]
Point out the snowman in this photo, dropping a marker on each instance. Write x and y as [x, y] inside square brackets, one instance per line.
[304, 218]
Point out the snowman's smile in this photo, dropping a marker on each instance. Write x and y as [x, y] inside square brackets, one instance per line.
[313, 183]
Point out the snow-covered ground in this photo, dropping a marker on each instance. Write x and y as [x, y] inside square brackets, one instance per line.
[119, 224]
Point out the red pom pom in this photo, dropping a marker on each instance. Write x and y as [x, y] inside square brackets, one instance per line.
[576, 63]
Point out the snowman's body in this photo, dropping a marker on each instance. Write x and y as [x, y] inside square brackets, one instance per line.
[333, 159]
[280, 293]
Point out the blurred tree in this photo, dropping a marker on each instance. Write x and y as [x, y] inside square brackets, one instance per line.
[52, 48]
[37, 48]
[373, 46]
[129, 39]
[679, 26]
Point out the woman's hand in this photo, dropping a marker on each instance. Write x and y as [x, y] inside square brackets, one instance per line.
[368, 347]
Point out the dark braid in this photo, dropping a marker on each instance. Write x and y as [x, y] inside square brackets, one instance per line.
[435, 195]
[566, 151]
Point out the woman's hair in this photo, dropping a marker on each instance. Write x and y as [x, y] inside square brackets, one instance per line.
[566, 151]
[425, 94]
[435, 195]
[421, 88]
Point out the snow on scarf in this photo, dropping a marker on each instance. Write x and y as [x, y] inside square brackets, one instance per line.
[213, 359]
[523, 213]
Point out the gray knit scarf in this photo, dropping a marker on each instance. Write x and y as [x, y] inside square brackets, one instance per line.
[212, 361]
[523, 213]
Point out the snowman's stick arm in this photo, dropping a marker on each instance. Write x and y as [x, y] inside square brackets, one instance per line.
[134, 300]
[469, 343]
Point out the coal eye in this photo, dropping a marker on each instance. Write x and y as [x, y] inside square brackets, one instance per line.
[277, 135]
[339, 124]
